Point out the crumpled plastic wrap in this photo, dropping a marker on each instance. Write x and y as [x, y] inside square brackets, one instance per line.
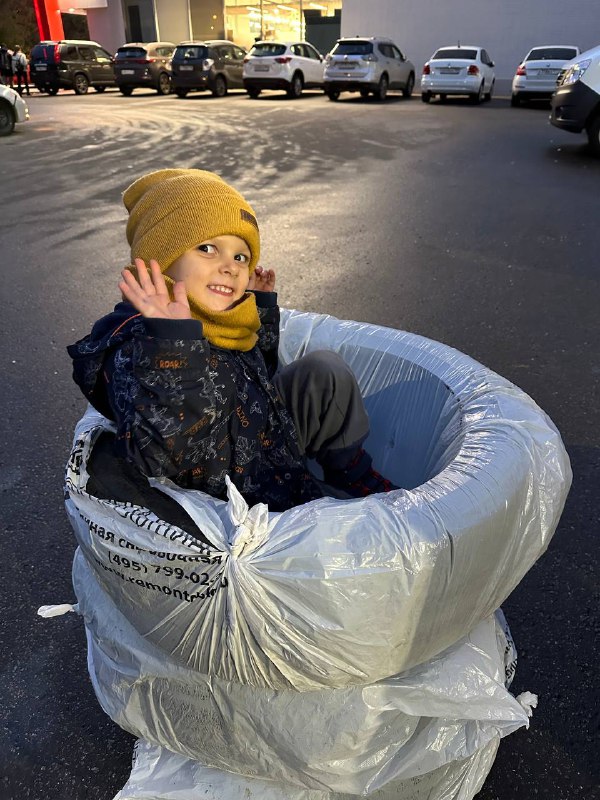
[158, 774]
[344, 645]
[337, 593]
[353, 741]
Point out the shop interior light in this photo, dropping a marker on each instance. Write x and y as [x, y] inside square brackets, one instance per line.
[316, 5]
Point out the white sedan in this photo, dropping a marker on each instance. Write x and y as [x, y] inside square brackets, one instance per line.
[459, 69]
[292, 66]
[12, 109]
[537, 74]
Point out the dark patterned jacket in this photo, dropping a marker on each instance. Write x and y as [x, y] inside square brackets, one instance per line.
[193, 412]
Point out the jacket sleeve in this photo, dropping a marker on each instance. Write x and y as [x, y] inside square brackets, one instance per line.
[161, 395]
[268, 334]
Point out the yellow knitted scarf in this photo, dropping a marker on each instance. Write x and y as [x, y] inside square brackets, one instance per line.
[234, 329]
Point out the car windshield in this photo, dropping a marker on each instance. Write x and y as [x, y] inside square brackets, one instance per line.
[352, 49]
[267, 49]
[190, 51]
[457, 52]
[130, 52]
[552, 53]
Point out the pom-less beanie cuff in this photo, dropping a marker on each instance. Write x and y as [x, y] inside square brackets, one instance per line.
[174, 210]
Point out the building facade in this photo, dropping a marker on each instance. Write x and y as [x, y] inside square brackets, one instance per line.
[507, 29]
[114, 22]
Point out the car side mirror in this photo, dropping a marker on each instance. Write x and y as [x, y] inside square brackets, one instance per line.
[492, 63]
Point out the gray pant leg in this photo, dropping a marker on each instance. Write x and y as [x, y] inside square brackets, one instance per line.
[320, 392]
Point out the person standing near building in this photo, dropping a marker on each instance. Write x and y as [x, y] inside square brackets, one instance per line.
[19, 67]
[5, 65]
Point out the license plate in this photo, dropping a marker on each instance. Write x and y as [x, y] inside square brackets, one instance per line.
[449, 70]
[346, 67]
[127, 72]
[186, 68]
[41, 67]
[261, 68]
[548, 72]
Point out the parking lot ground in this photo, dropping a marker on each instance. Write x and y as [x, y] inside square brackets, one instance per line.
[475, 226]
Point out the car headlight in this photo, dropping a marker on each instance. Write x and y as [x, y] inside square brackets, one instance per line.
[576, 72]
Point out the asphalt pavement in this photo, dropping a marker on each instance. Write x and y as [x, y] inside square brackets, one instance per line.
[474, 226]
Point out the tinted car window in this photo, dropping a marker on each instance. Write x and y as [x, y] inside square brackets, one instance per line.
[42, 52]
[312, 53]
[130, 52]
[239, 53]
[352, 49]
[459, 52]
[102, 57]
[190, 52]
[398, 53]
[267, 49]
[164, 52]
[70, 53]
[86, 54]
[546, 53]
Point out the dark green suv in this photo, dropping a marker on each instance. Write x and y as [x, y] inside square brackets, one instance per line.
[71, 64]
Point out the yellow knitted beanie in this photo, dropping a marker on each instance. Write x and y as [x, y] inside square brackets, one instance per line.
[174, 210]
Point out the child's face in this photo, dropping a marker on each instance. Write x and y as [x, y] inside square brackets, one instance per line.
[215, 272]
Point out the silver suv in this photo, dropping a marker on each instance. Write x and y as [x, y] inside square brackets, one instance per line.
[367, 64]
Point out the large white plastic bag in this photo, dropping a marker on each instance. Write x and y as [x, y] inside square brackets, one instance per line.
[352, 740]
[342, 592]
[158, 774]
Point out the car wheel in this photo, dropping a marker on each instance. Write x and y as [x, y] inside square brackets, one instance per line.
[181, 92]
[593, 132]
[410, 85]
[488, 95]
[80, 83]
[100, 89]
[364, 93]
[295, 88]
[477, 97]
[7, 119]
[126, 91]
[220, 87]
[53, 90]
[333, 95]
[515, 100]
[164, 84]
[382, 88]
[426, 97]
[253, 93]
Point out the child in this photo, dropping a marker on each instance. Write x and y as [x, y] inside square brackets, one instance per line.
[187, 366]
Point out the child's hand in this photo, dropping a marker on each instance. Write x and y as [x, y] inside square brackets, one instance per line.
[149, 295]
[263, 280]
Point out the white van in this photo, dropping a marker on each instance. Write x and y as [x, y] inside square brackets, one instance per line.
[576, 101]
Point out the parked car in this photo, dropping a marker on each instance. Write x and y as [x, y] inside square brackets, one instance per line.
[71, 64]
[536, 75]
[576, 102]
[293, 66]
[369, 65]
[144, 65]
[13, 109]
[458, 69]
[216, 64]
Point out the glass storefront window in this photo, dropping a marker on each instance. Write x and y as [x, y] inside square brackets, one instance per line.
[282, 20]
